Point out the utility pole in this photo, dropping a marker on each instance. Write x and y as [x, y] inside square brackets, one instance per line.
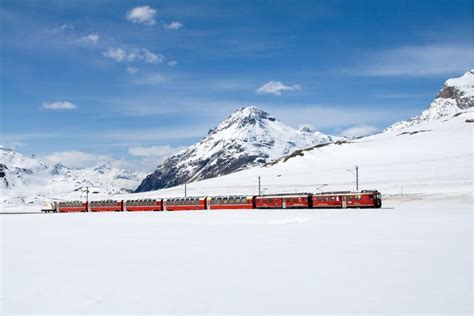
[87, 198]
[259, 186]
[357, 178]
[185, 189]
[356, 174]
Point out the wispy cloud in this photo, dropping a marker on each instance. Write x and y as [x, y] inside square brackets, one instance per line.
[116, 54]
[360, 130]
[145, 55]
[142, 54]
[143, 15]
[92, 38]
[77, 159]
[276, 87]
[324, 116]
[428, 60]
[176, 25]
[160, 151]
[67, 27]
[59, 105]
[150, 79]
[172, 63]
[154, 134]
[62, 28]
[132, 69]
[6, 138]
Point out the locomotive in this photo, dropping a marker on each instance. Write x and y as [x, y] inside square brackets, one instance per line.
[343, 199]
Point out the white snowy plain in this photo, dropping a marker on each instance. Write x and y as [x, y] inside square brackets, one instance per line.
[412, 258]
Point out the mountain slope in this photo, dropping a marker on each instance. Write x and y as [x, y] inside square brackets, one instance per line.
[427, 159]
[456, 96]
[26, 179]
[248, 137]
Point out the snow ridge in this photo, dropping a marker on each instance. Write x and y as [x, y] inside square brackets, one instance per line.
[25, 179]
[457, 95]
[248, 137]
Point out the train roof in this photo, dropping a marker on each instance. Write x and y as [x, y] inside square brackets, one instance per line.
[284, 194]
[347, 192]
[231, 196]
[184, 198]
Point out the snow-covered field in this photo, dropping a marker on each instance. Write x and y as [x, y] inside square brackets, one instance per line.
[405, 259]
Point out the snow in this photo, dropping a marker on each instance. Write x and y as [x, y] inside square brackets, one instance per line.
[30, 180]
[403, 259]
[412, 256]
[464, 83]
[432, 161]
[456, 96]
[248, 137]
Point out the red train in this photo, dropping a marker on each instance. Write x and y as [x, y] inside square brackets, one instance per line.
[346, 199]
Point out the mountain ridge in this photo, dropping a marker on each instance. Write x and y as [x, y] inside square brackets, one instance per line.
[249, 136]
[30, 178]
[456, 95]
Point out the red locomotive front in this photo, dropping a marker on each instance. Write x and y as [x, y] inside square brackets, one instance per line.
[363, 199]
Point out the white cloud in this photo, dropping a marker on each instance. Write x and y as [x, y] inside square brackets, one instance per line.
[143, 54]
[63, 28]
[117, 54]
[59, 105]
[176, 25]
[360, 130]
[425, 60]
[132, 69]
[67, 27]
[153, 151]
[172, 63]
[144, 15]
[77, 159]
[91, 38]
[276, 87]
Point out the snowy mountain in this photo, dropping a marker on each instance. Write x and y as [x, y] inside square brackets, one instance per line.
[457, 95]
[26, 179]
[248, 137]
[430, 161]
[427, 157]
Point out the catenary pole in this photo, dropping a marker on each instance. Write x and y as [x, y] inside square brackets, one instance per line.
[259, 186]
[357, 178]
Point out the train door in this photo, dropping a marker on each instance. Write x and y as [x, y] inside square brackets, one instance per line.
[283, 203]
[344, 204]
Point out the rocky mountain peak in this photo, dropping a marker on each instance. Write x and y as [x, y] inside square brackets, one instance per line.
[457, 95]
[306, 129]
[249, 136]
[246, 117]
[460, 89]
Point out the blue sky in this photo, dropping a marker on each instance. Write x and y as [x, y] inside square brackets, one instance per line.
[132, 81]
